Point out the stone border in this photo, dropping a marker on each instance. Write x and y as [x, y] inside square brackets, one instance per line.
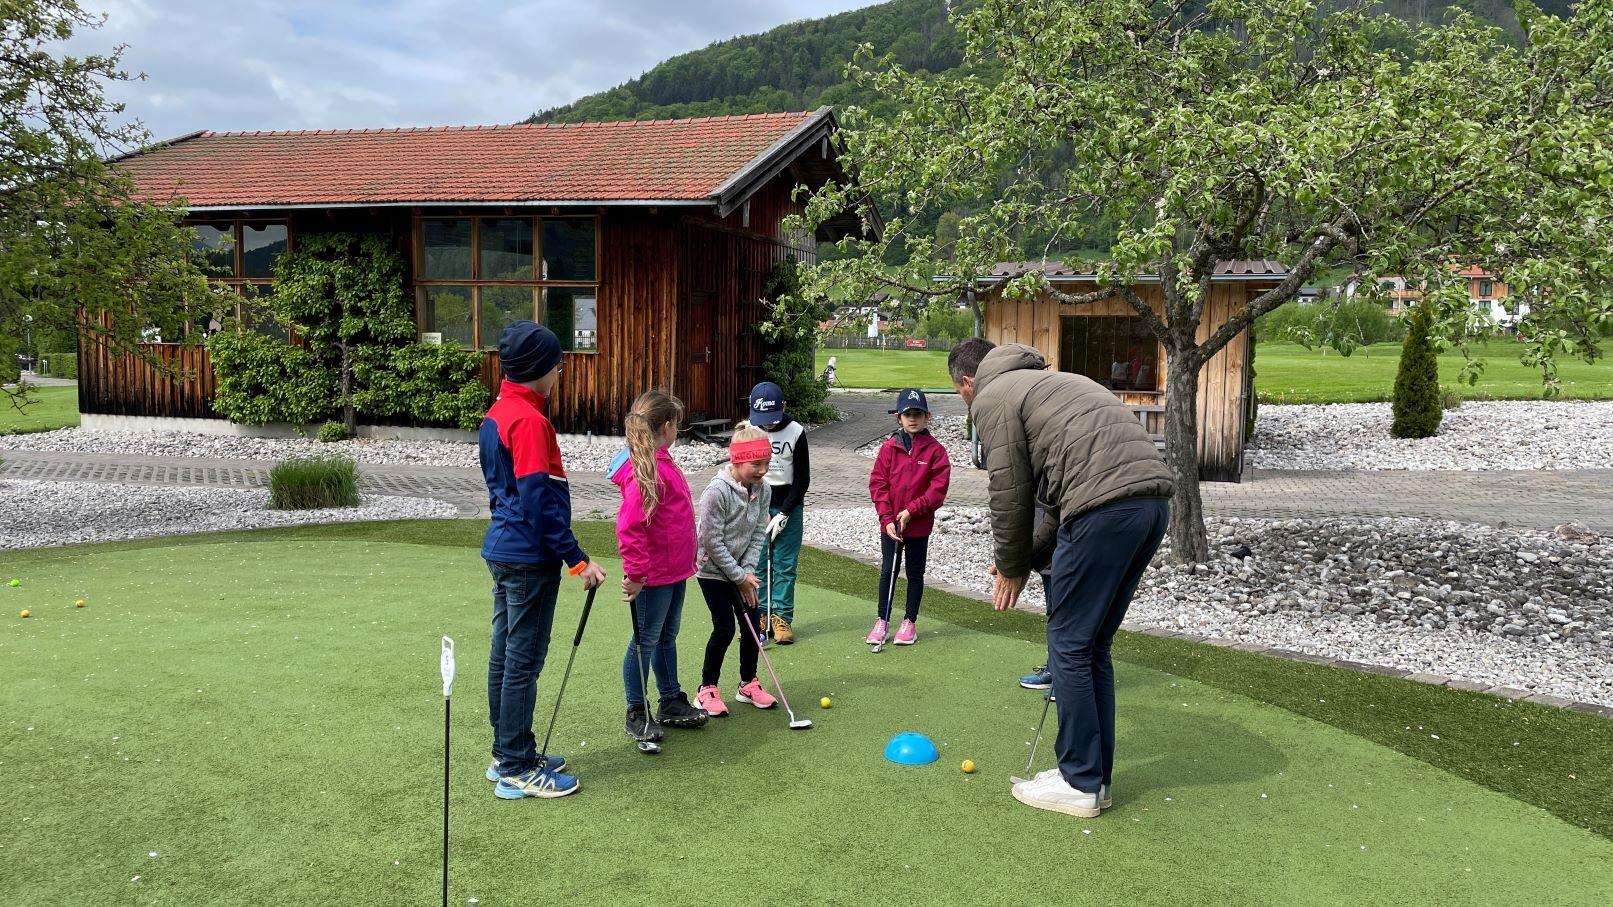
[1438, 680]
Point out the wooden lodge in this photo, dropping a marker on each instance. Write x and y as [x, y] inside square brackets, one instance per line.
[1109, 343]
[645, 245]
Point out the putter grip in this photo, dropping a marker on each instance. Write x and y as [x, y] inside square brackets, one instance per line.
[587, 606]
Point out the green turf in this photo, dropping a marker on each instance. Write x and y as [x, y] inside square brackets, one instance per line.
[51, 407]
[1288, 373]
[261, 710]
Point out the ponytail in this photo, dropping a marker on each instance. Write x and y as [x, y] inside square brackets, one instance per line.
[650, 412]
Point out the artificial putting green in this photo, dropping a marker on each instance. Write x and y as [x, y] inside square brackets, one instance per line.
[262, 711]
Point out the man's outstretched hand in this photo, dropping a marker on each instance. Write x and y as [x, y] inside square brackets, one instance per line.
[1005, 591]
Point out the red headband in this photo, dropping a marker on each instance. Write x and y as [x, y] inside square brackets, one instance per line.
[750, 451]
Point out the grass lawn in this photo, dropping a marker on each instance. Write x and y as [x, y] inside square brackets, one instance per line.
[1287, 373]
[262, 712]
[57, 407]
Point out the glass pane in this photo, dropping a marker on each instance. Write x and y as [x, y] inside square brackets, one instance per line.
[448, 313]
[500, 306]
[447, 249]
[506, 249]
[568, 248]
[213, 248]
[572, 314]
[261, 244]
[256, 314]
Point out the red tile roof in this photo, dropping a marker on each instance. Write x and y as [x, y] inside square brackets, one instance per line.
[1053, 270]
[645, 160]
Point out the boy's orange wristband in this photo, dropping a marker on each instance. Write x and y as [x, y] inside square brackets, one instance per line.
[577, 568]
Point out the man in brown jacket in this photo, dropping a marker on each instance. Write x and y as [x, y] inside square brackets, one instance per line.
[1066, 444]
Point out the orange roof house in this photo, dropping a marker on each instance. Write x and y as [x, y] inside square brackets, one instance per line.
[644, 244]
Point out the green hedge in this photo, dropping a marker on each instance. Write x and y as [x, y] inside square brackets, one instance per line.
[58, 365]
[435, 385]
[262, 380]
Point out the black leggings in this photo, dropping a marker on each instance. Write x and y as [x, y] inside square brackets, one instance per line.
[721, 597]
[914, 552]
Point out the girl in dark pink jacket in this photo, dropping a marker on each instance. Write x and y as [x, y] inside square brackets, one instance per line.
[655, 529]
[908, 485]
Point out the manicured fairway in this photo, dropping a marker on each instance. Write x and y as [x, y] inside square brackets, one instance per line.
[262, 712]
[56, 407]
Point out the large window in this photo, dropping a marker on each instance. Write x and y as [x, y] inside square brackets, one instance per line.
[1118, 352]
[475, 275]
[240, 254]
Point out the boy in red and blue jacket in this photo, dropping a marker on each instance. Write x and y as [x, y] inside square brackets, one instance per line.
[527, 543]
[908, 485]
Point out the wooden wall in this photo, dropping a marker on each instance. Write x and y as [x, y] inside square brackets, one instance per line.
[163, 379]
[1221, 384]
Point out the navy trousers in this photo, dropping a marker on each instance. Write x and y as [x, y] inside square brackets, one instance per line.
[1100, 558]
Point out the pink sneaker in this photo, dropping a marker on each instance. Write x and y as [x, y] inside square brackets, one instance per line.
[880, 633]
[906, 634]
[751, 691]
[710, 700]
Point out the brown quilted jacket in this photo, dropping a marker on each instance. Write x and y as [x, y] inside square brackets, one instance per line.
[1058, 440]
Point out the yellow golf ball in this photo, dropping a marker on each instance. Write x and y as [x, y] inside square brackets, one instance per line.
[825, 702]
[80, 603]
[968, 766]
[24, 613]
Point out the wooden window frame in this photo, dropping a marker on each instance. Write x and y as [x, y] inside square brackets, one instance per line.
[235, 281]
[474, 283]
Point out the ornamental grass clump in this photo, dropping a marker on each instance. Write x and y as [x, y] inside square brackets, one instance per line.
[313, 483]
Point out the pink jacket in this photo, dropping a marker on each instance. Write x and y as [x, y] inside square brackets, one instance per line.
[661, 551]
[915, 480]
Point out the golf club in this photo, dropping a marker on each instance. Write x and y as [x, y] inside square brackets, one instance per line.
[767, 625]
[644, 745]
[1047, 700]
[796, 724]
[447, 665]
[587, 606]
[896, 570]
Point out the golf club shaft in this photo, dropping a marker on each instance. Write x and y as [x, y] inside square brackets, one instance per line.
[642, 659]
[896, 570]
[576, 641]
[446, 711]
[770, 672]
[1047, 701]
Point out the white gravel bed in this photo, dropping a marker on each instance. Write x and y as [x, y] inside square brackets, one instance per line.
[1503, 607]
[1524, 434]
[39, 514]
[579, 455]
[949, 430]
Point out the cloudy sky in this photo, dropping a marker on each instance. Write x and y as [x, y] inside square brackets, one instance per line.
[321, 64]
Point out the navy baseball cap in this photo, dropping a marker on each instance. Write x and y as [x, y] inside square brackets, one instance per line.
[766, 405]
[911, 398]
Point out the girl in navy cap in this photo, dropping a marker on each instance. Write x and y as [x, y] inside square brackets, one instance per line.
[908, 485]
[788, 476]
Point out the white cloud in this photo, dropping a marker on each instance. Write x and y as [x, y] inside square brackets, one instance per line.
[306, 64]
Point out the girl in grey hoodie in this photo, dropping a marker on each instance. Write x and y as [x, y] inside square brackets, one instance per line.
[731, 522]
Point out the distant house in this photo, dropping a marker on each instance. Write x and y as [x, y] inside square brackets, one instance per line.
[644, 245]
[1485, 292]
[1109, 343]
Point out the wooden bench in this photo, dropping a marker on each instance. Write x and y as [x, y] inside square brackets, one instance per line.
[714, 430]
[1143, 411]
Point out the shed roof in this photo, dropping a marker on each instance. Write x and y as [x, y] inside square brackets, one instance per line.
[716, 161]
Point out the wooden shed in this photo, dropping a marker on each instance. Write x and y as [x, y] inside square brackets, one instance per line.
[1108, 342]
[643, 244]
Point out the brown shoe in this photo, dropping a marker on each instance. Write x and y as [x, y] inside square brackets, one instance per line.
[782, 634]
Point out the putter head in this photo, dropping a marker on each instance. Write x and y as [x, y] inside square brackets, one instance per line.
[1017, 779]
[800, 724]
[649, 746]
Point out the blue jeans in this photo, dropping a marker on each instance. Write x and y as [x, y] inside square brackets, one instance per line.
[523, 614]
[660, 611]
[1100, 558]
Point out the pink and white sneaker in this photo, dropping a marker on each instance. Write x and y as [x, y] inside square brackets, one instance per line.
[906, 634]
[751, 691]
[710, 700]
[880, 633]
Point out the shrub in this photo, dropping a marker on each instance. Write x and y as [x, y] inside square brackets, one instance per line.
[333, 431]
[1450, 400]
[1417, 411]
[792, 345]
[262, 380]
[431, 384]
[313, 483]
[59, 365]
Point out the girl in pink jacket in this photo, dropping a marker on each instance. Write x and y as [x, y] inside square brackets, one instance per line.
[907, 485]
[655, 530]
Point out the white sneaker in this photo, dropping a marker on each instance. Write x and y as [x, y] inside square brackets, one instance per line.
[1105, 796]
[1055, 794]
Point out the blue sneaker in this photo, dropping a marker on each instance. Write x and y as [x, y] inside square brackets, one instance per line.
[536, 783]
[552, 763]
[1039, 679]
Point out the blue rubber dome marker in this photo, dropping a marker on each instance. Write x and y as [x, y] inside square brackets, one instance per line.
[911, 749]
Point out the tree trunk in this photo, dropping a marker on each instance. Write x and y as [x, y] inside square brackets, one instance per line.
[349, 417]
[1189, 542]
